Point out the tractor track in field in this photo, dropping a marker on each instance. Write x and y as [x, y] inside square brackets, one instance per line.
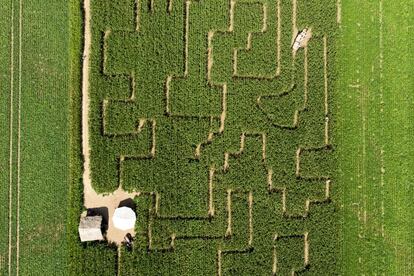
[19, 137]
[381, 90]
[11, 133]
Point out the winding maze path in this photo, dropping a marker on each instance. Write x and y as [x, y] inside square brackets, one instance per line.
[203, 111]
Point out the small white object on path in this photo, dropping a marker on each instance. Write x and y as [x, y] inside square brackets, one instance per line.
[299, 39]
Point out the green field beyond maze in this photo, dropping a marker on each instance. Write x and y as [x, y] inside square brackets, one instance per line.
[245, 157]
[374, 130]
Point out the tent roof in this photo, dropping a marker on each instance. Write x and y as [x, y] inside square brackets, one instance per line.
[91, 222]
[90, 228]
[124, 218]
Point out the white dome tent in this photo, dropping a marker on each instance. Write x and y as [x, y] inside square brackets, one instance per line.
[124, 218]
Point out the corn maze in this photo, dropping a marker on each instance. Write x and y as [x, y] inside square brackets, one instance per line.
[204, 109]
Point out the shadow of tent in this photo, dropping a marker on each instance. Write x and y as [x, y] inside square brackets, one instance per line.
[129, 202]
[100, 211]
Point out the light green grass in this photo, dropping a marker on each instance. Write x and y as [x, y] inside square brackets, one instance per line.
[375, 127]
[45, 145]
[40, 136]
[398, 83]
[5, 105]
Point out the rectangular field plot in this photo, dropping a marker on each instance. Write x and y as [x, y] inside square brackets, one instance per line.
[374, 131]
[204, 109]
[34, 111]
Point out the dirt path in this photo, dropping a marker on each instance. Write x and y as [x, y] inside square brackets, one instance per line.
[85, 96]
[326, 92]
[338, 11]
[91, 198]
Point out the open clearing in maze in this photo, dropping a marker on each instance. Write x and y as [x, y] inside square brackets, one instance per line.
[203, 109]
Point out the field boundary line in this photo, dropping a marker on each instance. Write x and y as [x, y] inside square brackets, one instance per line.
[11, 134]
[381, 95]
[19, 137]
